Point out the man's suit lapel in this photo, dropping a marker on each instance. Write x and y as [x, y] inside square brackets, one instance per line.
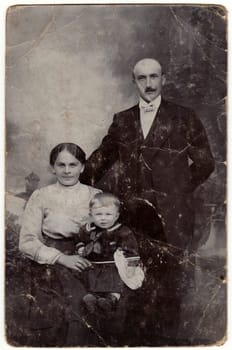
[160, 129]
[136, 128]
[158, 134]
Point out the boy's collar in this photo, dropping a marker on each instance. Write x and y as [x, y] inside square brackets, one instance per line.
[114, 227]
[91, 226]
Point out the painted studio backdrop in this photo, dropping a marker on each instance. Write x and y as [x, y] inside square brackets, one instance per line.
[68, 70]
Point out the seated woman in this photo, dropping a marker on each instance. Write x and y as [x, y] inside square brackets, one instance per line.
[52, 217]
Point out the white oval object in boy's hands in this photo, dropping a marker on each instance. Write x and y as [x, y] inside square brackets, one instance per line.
[132, 276]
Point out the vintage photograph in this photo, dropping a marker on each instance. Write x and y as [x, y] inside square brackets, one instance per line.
[116, 175]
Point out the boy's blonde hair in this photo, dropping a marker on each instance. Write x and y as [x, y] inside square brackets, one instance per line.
[104, 200]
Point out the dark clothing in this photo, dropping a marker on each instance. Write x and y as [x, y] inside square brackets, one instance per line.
[56, 301]
[156, 178]
[158, 319]
[157, 168]
[100, 245]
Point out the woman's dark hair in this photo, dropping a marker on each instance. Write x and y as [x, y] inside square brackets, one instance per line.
[75, 150]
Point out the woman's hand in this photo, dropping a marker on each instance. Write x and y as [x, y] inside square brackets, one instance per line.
[74, 262]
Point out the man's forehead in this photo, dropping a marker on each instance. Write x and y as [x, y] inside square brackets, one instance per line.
[147, 66]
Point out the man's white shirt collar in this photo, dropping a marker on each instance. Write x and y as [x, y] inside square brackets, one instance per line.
[155, 103]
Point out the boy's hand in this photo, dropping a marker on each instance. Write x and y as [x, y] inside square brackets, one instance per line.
[80, 251]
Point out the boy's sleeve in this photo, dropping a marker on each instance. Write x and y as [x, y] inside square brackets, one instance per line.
[82, 238]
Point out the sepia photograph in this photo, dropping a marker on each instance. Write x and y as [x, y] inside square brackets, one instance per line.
[116, 175]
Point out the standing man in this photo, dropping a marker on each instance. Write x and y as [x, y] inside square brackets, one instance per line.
[163, 155]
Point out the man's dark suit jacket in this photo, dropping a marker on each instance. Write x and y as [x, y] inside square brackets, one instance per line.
[164, 168]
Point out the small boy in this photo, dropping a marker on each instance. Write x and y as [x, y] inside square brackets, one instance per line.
[98, 242]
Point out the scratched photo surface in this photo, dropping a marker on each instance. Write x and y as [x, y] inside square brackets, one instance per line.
[68, 73]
